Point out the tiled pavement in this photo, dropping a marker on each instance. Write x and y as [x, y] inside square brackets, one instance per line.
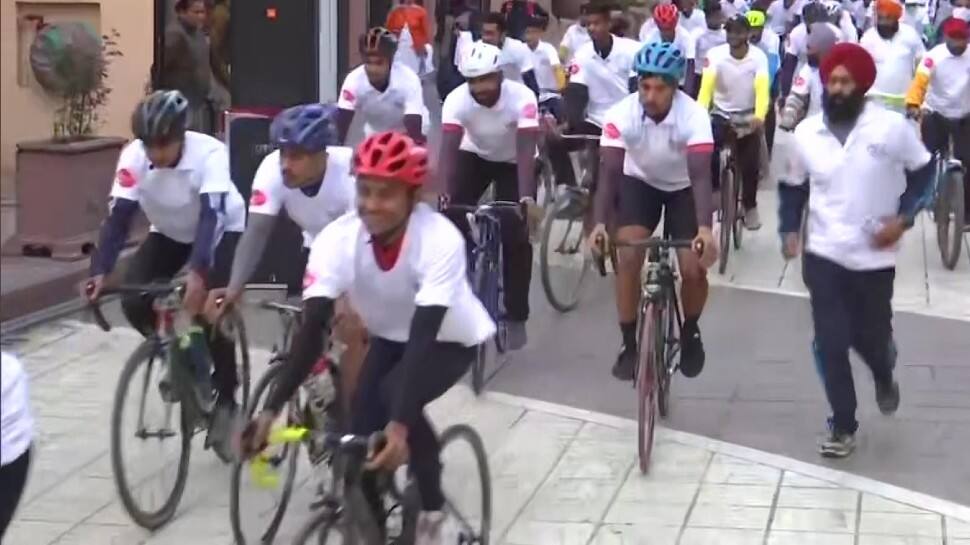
[559, 475]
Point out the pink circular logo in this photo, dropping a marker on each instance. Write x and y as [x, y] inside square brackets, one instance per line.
[529, 111]
[928, 62]
[348, 96]
[799, 81]
[308, 279]
[125, 178]
[258, 198]
[611, 131]
[573, 69]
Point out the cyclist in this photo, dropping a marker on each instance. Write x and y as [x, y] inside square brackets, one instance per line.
[691, 18]
[795, 52]
[867, 174]
[575, 37]
[735, 82]
[550, 74]
[516, 57]
[897, 49]
[665, 27]
[805, 98]
[770, 43]
[712, 36]
[942, 87]
[489, 130]
[387, 94]
[403, 267]
[601, 75]
[656, 155]
[180, 180]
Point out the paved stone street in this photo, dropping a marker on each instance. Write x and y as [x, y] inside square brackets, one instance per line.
[559, 475]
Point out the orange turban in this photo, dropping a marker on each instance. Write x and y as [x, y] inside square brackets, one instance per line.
[889, 8]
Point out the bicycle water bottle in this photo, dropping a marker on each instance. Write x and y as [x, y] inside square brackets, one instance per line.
[196, 358]
[321, 394]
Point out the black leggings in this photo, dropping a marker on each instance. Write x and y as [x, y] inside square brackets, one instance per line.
[937, 132]
[476, 174]
[378, 388]
[13, 477]
[159, 258]
[748, 157]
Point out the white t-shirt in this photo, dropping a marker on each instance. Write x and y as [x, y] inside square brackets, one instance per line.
[169, 197]
[808, 81]
[576, 36]
[683, 39]
[608, 80]
[730, 8]
[545, 59]
[335, 198]
[780, 17]
[770, 43]
[656, 153]
[798, 42]
[734, 82]
[490, 132]
[384, 111]
[949, 87]
[516, 59]
[896, 59]
[704, 42]
[16, 420]
[429, 271]
[854, 185]
[849, 32]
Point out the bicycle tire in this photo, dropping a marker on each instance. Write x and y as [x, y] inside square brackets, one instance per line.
[562, 302]
[547, 182]
[949, 217]
[647, 387]
[662, 366]
[321, 525]
[468, 434]
[728, 211]
[150, 520]
[737, 226]
[480, 276]
[291, 457]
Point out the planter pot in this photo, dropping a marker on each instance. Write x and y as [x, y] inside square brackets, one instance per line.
[62, 196]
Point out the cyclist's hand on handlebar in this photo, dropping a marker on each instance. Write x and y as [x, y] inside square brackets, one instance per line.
[195, 293]
[255, 436]
[91, 288]
[705, 246]
[913, 112]
[599, 240]
[219, 301]
[394, 452]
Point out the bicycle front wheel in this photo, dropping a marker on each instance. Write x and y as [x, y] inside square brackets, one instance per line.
[647, 383]
[256, 518]
[950, 214]
[728, 217]
[486, 287]
[154, 429]
[563, 263]
[468, 500]
[738, 224]
[323, 529]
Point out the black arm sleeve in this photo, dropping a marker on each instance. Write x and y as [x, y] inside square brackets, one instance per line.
[530, 81]
[412, 124]
[417, 364]
[919, 184]
[611, 168]
[632, 84]
[114, 233]
[525, 159]
[307, 346]
[699, 170]
[344, 119]
[447, 159]
[576, 97]
[788, 66]
[204, 245]
[689, 79]
[791, 203]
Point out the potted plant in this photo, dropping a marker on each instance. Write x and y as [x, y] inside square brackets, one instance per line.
[62, 182]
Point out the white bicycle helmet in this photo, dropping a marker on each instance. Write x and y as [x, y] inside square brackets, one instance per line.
[481, 59]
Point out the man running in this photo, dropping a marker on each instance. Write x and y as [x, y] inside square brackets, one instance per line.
[656, 155]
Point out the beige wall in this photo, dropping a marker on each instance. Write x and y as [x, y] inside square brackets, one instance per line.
[26, 110]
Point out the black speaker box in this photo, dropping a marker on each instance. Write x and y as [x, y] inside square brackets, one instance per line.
[274, 56]
[283, 259]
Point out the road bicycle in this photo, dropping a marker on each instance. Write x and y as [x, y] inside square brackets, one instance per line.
[659, 322]
[948, 202]
[731, 213]
[485, 273]
[175, 379]
[345, 516]
[564, 229]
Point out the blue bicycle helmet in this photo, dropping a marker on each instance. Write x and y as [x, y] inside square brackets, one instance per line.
[309, 127]
[660, 59]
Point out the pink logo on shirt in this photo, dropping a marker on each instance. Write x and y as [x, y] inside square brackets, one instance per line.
[348, 96]
[799, 81]
[573, 69]
[308, 279]
[928, 62]
[125, 178]
[529, 111]
[258, 198]
[611, 131]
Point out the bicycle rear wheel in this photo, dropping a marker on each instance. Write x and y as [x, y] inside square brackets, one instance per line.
[149, 357]
[470, 509]
[647, 384]
[949, 216]
[285, 455]
[728, 213]
[563, 264]
[738, 224]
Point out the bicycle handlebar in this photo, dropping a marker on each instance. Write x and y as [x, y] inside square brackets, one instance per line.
[648, 243]
[144, 289]
[356, 445]
[476, 208]
[282, 308]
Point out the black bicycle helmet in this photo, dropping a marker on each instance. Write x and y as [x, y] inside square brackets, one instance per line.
[378, 40]
[737, 22]
[161, 117]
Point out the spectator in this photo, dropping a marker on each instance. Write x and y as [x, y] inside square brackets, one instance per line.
[186, 64]
[219, 41]
[411, 15]
[518, 13]
[16, 434]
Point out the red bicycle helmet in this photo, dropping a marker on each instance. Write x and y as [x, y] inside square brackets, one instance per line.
[392, 156]
[666, 16]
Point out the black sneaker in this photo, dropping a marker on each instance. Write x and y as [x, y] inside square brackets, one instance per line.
[837, 445]
[220, 428]
[691, 352]
[626, 363]
[887, 397]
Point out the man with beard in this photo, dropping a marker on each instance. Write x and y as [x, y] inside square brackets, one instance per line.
[516, 58]
[489, 130]
[896, 50]
[868, 175]
[943, 80]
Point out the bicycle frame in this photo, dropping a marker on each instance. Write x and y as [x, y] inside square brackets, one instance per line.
[660, 287]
